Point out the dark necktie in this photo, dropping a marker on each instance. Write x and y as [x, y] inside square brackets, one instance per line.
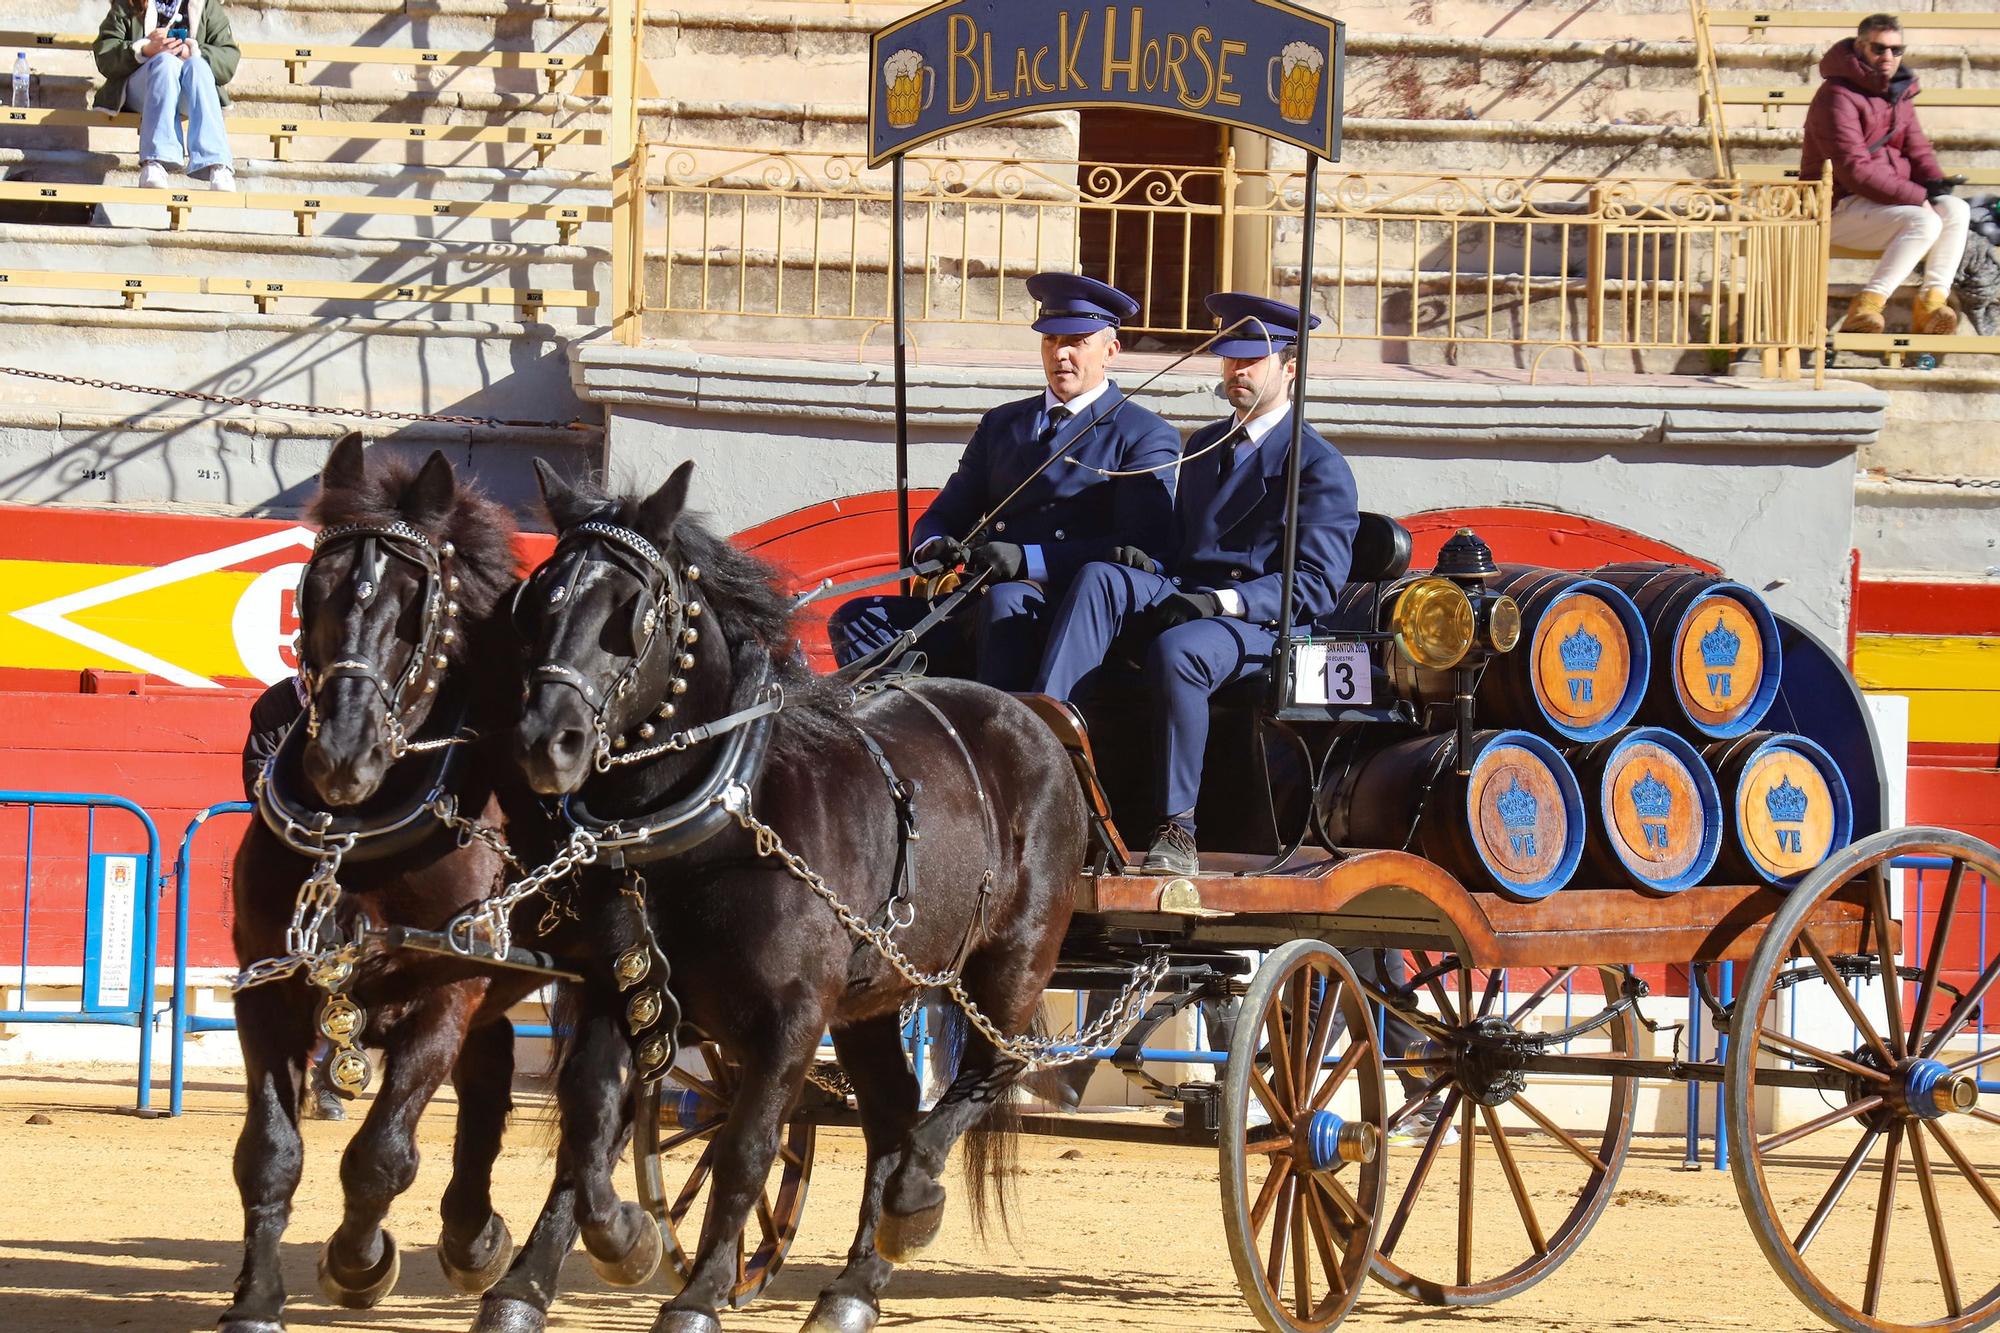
[1057, 415]
[1225, 462]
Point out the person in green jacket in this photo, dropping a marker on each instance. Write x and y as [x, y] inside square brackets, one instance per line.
[168, 59]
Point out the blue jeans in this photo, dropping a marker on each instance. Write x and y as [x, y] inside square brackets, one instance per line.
[166, 88]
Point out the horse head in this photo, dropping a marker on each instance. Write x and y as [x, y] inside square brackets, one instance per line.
[623, 646]
[406, 563]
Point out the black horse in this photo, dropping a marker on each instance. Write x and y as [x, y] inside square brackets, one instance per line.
[399, 596]
[645, 625]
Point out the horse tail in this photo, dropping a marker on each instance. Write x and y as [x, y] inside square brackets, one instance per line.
[565, 1011]
[993, 1143]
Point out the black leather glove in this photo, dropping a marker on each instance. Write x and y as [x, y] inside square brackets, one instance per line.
[1005, 559]
[1183, 607]
[1936, 189]
[947, 551]
[1133, 558]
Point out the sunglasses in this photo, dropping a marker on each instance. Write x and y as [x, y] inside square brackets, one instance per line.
[1884, 49]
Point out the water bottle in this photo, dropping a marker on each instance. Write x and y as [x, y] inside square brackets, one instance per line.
[20, 97]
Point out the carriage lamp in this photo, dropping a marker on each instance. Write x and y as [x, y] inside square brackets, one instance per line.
[1434, 623]
[1466, 561]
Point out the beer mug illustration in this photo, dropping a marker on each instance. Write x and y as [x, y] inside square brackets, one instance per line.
[912, 87]
[1296, 90]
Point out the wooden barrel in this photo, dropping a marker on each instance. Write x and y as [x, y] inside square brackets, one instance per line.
[1655, 813]
[1581, 668]
[1515, 825]
[1716, 644]
[1785, 807]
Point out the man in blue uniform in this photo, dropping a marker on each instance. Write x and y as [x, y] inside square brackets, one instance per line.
[1214, 604]
[1073, 513]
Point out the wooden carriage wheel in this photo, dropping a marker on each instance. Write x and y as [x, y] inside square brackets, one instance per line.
[691, 1108]
[1302, 1191]
[1900, 1074]
[1438, 1244]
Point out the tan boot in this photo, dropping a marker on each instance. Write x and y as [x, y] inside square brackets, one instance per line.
[1864, 315]
[1931, 313]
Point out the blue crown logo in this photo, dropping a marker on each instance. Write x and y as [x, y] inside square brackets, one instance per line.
[1652, 798]
[1581, 651]
[1719, 646]
[1518, 806]
[1786, 802]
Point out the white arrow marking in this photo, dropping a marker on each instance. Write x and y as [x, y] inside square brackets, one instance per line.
[53, 615]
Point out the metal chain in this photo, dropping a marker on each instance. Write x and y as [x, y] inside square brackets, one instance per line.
[488, 920]
[1966, 483]
[312, 912]
[1034, 1052]
[309, 409]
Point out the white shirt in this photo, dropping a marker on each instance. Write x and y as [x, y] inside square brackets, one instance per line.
[1038, 566]
[1252, 439]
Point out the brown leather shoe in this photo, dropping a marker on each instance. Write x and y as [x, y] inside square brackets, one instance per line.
[1173, 852]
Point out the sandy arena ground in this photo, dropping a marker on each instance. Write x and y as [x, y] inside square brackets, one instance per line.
[110, 1222]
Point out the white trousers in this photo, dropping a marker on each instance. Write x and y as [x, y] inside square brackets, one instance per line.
[1905, 234]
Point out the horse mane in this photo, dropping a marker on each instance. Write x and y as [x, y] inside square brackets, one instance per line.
[482, 530]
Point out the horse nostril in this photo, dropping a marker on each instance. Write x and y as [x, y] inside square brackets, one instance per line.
[568, 743]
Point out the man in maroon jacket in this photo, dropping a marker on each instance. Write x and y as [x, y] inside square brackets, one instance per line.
[1889, 193]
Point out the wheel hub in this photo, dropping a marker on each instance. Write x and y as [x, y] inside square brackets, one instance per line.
[1931, 1091]
[1326, 1141]
[1486, 1067]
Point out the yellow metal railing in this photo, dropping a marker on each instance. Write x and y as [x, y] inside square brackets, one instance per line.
[1532, 263]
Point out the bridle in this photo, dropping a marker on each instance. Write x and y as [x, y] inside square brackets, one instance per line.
[438, 589]
[666, 612]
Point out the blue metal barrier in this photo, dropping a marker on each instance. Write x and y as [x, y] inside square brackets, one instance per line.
[184, 1023]
[137, 1009]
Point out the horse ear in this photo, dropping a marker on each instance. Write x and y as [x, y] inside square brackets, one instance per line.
[566, 505]
[663, 507]
[432, 494]
[345, 466]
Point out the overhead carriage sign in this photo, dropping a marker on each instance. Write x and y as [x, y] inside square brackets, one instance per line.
[1258, 64]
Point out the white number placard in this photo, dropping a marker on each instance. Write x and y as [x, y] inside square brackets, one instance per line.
[1347, 675]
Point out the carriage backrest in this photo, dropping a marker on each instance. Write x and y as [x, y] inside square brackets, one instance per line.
[1382, 549]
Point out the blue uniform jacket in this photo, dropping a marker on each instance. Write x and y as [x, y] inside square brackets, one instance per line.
[1072, 513]
[1234, 537]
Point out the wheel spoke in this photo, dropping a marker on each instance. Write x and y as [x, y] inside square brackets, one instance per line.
[1795, 1048]
[1322, 1234]
[1964, 1165]
[1542, 992]
[1978, 1113]
[1817, 1123]
[1262, 1090]
[695, 1083]
[1281, 1233]
[692, 1133]
[1281, 1171]
[1403, 1112]
[791, 1158]
[1322, 1038]
[1354, 1056]
[1419, 1174]
[1331, 1187]
[765, 1219]
[696, 1179]
[1515, 1184]
[1885, 1207]
[1568, 1139]
[1841, 1180]
[1436, 985]
[1495, 979]
[1927, 988]
[1466, 1144]
[1280, 1048]
[1838, 986]
[1885, 956]
[1303, 1023]
[1934, 1215]
[1961, 1013]
[742, 1261]
[1976, 1059]
[1301, 1256]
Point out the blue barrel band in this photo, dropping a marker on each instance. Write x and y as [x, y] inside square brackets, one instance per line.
[1639, 650]
[1574, 821]
[1711, 809]
[1836, 786]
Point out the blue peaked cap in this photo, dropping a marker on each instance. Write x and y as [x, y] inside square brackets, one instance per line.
[1072, 303]
[1258, 326]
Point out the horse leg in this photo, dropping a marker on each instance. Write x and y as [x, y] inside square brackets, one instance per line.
[871, 1054]
[590, 1097]
[913, 1202]
[744, 1149]
[272, 1029]
[474, 1247]
[359, 1263]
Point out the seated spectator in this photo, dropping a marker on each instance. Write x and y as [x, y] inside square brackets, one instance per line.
[168, 59]
[1889, 193]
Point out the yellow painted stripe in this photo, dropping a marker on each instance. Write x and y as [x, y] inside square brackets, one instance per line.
[187, 623]
[1902, 662]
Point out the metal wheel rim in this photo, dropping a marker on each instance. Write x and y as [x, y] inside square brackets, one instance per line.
[1748, 1153]
[776, 1218]
[1356, 1194]
[1564, 1239]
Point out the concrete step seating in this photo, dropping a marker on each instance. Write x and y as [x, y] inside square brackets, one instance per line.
[417, 79]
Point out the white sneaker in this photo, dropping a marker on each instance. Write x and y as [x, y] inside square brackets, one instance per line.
[153, 176]
[221, 178]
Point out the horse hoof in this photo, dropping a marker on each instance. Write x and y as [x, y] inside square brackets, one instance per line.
[900, 1237]
[838, 1312]
[507, 1314]
[498, 1244]
[229, 1325]
[686, 1321]
[638, 1264]
[359, 1291]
